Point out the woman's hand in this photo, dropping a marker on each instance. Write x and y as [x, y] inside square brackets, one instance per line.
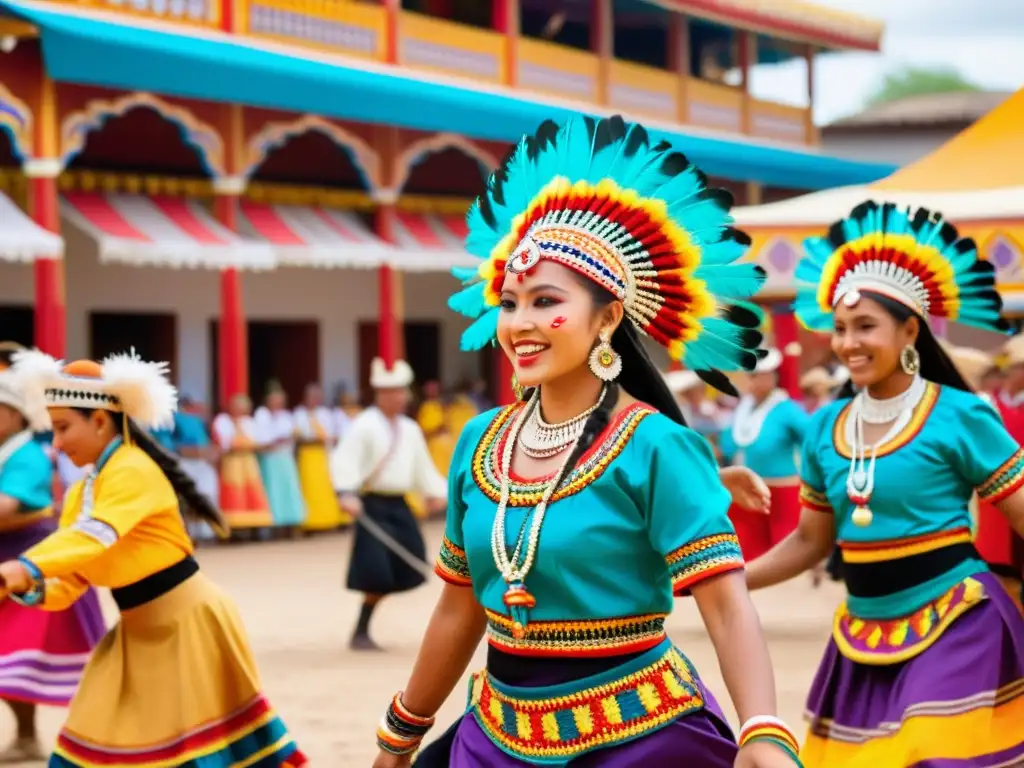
[762, 754]
[14, 577]
[387, 760]
[747, 489]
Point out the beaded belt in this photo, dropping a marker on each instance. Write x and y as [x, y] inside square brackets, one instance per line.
[890, 641]
[596, 637]
[551, 725]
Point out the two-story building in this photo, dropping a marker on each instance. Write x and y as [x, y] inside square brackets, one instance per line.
[275, 188]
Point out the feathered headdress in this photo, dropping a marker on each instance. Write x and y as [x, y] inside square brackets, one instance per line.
[122, 383]
[914, 257]
[639, 220]
[24, 399]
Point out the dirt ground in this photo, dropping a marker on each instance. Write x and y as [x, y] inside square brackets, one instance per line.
[299, 618]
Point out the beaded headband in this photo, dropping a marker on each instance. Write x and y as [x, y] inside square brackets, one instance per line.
[122, 383]
[914, 257]
[638, 220]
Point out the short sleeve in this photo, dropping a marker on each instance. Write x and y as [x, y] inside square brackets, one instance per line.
[452, 564]
[27, 477]
[687, 510]
[798, 421]
[987, 456]
[812, 478]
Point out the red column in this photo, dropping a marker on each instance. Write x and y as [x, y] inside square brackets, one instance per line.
[49, 273]
[787, 341]
[387, 322]
[233, 333]
[503, 377]
[602, 42]
[394, 9]
[505, 19]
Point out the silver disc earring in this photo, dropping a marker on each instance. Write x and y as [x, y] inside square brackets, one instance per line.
[605, 363]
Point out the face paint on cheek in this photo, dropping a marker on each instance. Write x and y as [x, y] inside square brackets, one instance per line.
[558, 322]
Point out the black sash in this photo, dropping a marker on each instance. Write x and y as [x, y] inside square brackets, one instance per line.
[156, 585]
[887, 577]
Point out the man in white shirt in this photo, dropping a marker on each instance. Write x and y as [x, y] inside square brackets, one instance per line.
[382, 458]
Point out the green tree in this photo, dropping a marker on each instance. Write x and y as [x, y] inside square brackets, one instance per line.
[917, 81]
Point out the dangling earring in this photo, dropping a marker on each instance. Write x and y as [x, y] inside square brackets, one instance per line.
[605, 362]
[910, 360]
[517, 388]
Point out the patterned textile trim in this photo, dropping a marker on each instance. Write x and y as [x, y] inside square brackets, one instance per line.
[894, 549]
[592, 465]
[979, 730]
[594, 637]
[452, 565]
[556, 730]
[251, 736]
[1005, 480]
[813, 500]
[890, 641]
[702, 559]
[920, 415]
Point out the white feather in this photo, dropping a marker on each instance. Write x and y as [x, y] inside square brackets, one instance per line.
[145, 392]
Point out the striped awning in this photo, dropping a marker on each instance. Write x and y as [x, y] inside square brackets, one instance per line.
[140, 230]
[308, 236]
[21, 239]
[431, 242]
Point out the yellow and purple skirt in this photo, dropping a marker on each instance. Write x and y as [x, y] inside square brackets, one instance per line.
[174, 684]
[941, 688]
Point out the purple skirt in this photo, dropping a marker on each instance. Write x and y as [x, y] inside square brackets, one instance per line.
[959, 703]
[43, 653]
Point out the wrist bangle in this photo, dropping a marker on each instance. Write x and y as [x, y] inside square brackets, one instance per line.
[36, 593]
[401, 731]
[768, 727]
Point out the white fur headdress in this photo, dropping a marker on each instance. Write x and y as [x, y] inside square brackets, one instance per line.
[25, 400]
[122, 383]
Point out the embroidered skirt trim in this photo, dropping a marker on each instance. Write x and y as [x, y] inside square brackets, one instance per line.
[596, 637]
[555, 724]
[890, 641]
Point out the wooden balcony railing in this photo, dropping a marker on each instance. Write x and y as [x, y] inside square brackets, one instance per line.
[428, 43]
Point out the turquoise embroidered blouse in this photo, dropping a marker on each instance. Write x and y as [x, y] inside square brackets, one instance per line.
[642, 516]
[189, 431]
[27, 476]
[925, 475]
[773, 453]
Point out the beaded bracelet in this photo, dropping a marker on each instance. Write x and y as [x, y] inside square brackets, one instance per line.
[768, 728]
[35, 594]
[400, 731]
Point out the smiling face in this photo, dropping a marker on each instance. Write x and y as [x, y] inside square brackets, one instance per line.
[82, 437]
[550, 322]
[868, 340]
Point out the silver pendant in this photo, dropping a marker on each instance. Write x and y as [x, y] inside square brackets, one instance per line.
[860, 478]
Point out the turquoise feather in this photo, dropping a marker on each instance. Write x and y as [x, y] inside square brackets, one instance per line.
[481, 333]
[469, 302]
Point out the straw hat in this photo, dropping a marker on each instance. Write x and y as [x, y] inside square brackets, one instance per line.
[682, 381]
[972, 364]
[817, 380]
[1013, 351]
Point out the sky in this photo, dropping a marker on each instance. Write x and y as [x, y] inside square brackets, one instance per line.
[982, 39]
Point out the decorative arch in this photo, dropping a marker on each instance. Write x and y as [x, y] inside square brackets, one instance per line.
[275, 135]
[416, 152]
[203, 138]
[16, 122]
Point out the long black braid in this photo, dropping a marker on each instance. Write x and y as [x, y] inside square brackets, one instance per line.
[200, 505]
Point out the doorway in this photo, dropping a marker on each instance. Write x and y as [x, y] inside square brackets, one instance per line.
[17, 324]
[422, 352]
[287, 351]
[153, 336]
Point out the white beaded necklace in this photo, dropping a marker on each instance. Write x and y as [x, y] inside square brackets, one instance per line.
[860, 480]
[540, 440]
[749, 417]
[512, 571]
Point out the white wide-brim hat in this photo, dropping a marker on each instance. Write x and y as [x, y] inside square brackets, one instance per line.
[682, 381]
[15, 395]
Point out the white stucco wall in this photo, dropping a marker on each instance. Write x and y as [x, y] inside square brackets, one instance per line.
[338, 299]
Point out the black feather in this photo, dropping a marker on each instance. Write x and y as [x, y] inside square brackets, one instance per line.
[719, 381]
[721, 196]
[635, 142]
[604, 136]
[662, 146]
[673, 164]
[966, 245]
[736, 236]
[742, 317]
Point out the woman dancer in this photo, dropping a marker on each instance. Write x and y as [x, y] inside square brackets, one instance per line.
[42, 655]
[174, 682]
[995, 540]
[316, 437]
[243, 497]
[591, 236]
[766, 433]
[275, 428]
[926, 663]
